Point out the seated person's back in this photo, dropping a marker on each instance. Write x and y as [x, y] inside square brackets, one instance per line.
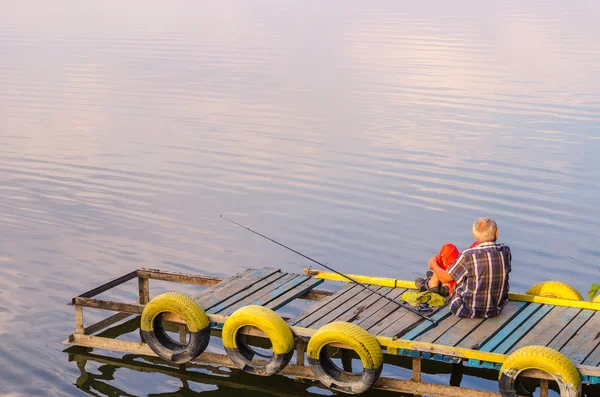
[481, 274]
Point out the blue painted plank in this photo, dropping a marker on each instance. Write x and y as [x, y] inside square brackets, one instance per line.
[509, 327]
[583, 343]
[548, 328]
[523, 329]
[490, 326]
[427, 325]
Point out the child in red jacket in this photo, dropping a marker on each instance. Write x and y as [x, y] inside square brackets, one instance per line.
[445, 259]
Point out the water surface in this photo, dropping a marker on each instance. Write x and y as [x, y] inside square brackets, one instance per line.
[364, 135]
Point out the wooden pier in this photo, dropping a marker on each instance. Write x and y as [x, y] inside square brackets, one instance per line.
[569, 327]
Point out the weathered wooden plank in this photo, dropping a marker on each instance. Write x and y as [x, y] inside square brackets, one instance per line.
[226, 283]
[396, 313]
[425, 326]
[143, 290]
[548, 328]
[79, 320]
[510, 327]
[109, 285]
[434, 333]
[584, 341]
[263, 294]
[488, 328]
[379, 310]
[365, 305]
[594, 358]
[570, 330]
[295, 292]
[522, 329]
[321, 306]
[100, 325]
[233, 285]
[177, 277]
[253, 291]
[349, 306]
[333, 306]
[459, 331]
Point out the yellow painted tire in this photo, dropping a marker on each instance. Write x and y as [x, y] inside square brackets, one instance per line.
[268, 322]
[545, 359]
[160, 342]
[555, 289]
[363, 343]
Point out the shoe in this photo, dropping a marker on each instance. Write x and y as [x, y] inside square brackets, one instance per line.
[444, 291]
[421, 284]
[432, 289]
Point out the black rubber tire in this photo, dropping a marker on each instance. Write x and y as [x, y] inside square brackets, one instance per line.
[270, 323]
[545, 359]
[154, 334]
[364, 344]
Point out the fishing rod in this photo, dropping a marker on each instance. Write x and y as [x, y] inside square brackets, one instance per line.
[409, 308]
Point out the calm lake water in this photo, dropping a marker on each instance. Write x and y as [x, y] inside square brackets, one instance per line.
[364, 134]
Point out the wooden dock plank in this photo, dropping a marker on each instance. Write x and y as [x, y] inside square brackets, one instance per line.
[298, 290]
[346, 309]
[488, 328]
[365, 305]
[593, 359]
[509, 327]
[434, 333]
[380, 310]
[570, 330]
[523, 329]
[232, 285]
[584, 341]
[334, 306]
[397, 314]
[406, 322]
[459, 331]
[548, 328]
[426, 325]
[317, 306]
[253, 293]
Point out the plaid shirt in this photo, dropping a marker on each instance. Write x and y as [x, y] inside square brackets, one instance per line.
[481, 275]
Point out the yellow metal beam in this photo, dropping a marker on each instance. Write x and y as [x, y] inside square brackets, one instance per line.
[391, 282]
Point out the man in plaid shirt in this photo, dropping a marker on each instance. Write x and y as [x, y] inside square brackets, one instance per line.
[481, 274]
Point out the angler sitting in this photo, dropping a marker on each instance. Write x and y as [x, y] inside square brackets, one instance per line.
[480, 273]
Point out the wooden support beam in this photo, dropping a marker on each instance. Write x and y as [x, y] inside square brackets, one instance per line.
[207, 358]
[300, 353]
[79, 329]
[416, 369]
[544, 388]
[100, 325]
[144, 290]
[107, 286]
[185, 278]
[386, 342]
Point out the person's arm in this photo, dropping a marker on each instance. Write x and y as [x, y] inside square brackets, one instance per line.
[439, 271]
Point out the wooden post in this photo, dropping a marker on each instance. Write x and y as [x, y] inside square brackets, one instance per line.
[346, 360]
[144, 288]
[416, 367]
[79, 329]
[544, 388]
[182, 333]
[300, 353]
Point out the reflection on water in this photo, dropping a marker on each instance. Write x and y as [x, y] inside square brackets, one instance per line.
[362, 134]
